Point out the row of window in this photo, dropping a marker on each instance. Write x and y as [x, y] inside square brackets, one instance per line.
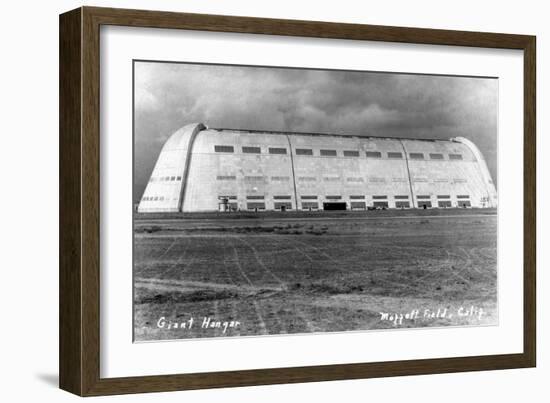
[398, 198]
[334, 153]
[354, 205]
[156, 198]
[312, 197]
[165, 179]
[257, 178]
[339, 197]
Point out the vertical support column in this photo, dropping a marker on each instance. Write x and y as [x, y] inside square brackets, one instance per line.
[293, 174]
[413, 202]
[185, 174]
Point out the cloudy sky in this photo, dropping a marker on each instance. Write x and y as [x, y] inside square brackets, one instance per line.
[171, 95]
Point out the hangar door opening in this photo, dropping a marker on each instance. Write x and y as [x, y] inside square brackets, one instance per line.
[334, 206]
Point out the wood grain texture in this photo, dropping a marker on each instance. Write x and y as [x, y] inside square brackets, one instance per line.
[80, 196]
[70, 271]
[530, 202]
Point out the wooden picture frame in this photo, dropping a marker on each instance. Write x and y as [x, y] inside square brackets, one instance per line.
[79, 347]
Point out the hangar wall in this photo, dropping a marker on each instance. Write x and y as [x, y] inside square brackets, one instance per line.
[207, 169]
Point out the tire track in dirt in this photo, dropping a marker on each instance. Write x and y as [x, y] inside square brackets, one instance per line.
[187, 285]
[261, 263]
[257, 308]
[174, 239]
[179, 260]
[300, 252]
[255, 304]
[311, 328]
[235, 317]
[217, 330]
[272, 312]
[229, 276]
[239, 266]
[319, 251]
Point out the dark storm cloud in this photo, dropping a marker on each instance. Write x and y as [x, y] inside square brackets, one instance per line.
[168, 96]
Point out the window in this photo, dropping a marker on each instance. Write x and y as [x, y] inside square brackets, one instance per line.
[275, 150]
[226, 177]
[178, 178]
[379, 197]
[424, 204]
[402, 204]
[281, 205]
[436, 156]
[281, 197]
[173, 178]
[227, 197]
[255, 197]
[358, 205]
[459, 180]
[356, 197]
[380, 204]
[443, 196]
[308, 197]
[255, 206]
[310, 206]
[252, 150]
[423, 197]
[416, 156]
[328, 153]
[354, 179]
[377, 179]
[223, 149]
[307, 178]
[455, 156]
[280, 178]
[395, 155]
[348, 153]
[333, 197]
[253, 178]
[374, 154]
[444, 203]
[304, 151]
[462, 196]
[464, 203]
[401, 197]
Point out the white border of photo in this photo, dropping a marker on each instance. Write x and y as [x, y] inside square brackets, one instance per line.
[120, 357]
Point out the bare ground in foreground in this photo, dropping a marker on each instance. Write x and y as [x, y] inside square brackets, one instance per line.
[276, 276]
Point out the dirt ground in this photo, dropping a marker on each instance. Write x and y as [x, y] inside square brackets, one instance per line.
[282, 274]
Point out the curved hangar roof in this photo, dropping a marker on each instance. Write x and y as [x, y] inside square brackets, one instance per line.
[198, 166]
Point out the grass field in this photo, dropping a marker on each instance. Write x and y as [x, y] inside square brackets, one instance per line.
[284, 273]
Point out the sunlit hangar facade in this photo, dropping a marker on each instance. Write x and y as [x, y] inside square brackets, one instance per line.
[209, 169]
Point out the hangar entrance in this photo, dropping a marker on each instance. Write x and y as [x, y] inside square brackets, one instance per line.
[334, 206]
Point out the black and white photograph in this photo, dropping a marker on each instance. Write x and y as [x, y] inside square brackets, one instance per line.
[276, 201]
